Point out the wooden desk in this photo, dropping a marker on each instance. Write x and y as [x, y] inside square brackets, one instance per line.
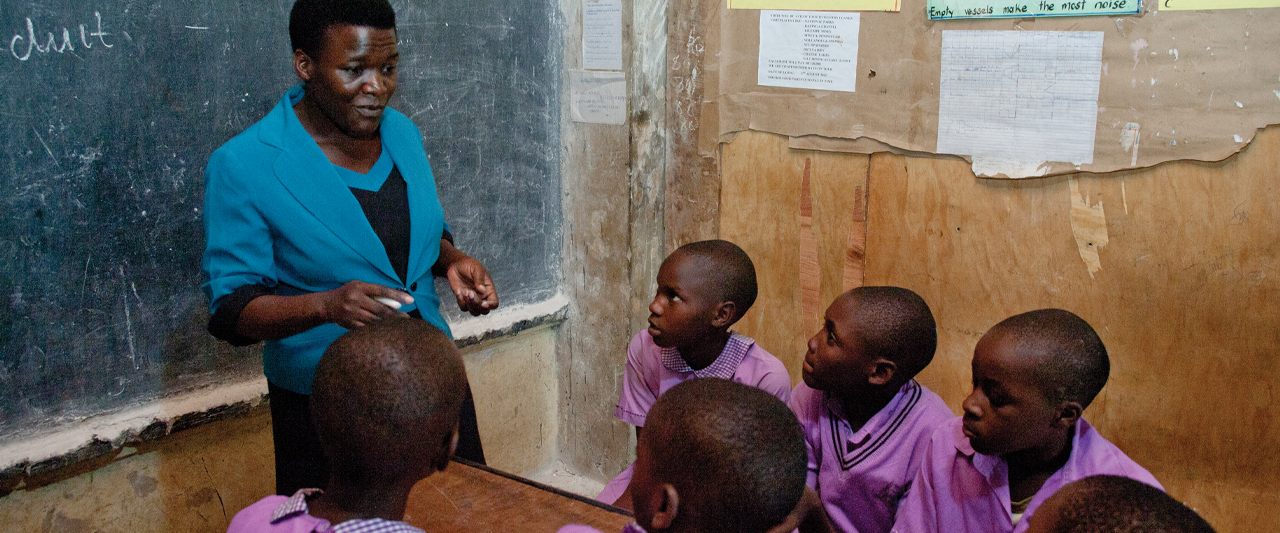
[469, 497]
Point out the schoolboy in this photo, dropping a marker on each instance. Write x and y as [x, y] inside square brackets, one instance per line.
[1021, 437]
[716, 456]
[1114, 504]
[385, 405]
[866, 420]
[703, 289]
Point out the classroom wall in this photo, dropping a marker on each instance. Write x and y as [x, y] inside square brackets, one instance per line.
[196, 480]
[614, 191]
[1177, 267]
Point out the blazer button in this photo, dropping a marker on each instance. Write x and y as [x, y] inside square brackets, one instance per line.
[414, 287]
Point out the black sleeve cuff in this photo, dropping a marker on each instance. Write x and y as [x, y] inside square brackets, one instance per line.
[222, 324]
[448, 237]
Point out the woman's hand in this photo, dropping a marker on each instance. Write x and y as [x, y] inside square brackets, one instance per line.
[350, 306]
[468, 279]
[472, 286]
[353, 306]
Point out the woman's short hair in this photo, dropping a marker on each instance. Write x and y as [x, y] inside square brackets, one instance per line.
[311, 18]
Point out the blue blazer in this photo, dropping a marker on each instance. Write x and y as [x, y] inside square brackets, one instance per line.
[278, 214]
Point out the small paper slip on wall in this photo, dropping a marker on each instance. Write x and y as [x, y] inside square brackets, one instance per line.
[818, 5]
[1190, 5]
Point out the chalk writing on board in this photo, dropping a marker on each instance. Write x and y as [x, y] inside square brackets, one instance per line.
[954, 9]
[1020, 95]
[31, 42]
[808, 50]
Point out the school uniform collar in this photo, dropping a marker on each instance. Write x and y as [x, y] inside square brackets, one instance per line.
[633, 527]
[855, 446]
[996, 470]
[297, 505]
[724, 367]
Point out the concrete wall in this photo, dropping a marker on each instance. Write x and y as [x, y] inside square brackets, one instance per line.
[613, 183]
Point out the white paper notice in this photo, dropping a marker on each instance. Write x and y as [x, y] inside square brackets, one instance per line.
[602, 34]
[809, 50]
[1027, 96]
[598, 97]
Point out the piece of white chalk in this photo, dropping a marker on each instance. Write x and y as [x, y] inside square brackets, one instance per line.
[389, 302]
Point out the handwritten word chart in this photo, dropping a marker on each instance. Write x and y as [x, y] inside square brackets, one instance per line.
[1020, 95]
[957, 9]
[808, 50]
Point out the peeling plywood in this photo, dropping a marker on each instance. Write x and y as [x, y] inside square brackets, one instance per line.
[1199, 84]
[1186, 296]
[800, 215]
[1089, 225]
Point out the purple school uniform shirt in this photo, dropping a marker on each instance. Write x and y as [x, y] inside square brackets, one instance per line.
[862, 474]
[277, 514]
[959, 490]
[652, 370]
[576, 528]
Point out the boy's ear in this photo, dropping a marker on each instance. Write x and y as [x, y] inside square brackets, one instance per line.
[725, 315]
[441, 460]
[1068, 413]
[883, 372]
[302, 65]
[664, 514]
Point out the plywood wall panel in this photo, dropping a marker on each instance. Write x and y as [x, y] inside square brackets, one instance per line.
[1184, 291]
[797, 249]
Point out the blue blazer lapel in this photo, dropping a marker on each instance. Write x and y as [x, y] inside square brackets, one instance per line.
[306, 173]
[401, 137]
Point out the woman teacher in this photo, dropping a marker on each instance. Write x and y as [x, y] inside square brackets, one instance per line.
[323, 216]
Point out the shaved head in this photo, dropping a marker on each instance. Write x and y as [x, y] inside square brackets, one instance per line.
[386, 398]
[1115, 504]
[728, 268]
[896, 324]
[734, 453]
[1072, 363]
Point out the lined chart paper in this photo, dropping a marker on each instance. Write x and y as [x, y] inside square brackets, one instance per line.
[1020, 95]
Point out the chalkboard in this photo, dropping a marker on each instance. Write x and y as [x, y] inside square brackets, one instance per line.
[110, 111]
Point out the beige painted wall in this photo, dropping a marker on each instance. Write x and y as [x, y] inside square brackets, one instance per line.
[196, 480]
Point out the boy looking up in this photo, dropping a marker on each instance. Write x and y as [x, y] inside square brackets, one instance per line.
[866, 420]
[1021, 437]
[716, 456]
[385, 405]
[703, 289]
[1114, 504]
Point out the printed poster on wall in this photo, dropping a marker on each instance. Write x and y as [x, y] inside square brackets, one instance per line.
[818, 5]
[972, 9]
[807, 50]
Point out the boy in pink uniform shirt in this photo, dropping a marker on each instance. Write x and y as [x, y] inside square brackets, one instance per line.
[716, 456]
[1114, 504]
[703, 288]
[865, 418]
[385, 402]
[1021, 437]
